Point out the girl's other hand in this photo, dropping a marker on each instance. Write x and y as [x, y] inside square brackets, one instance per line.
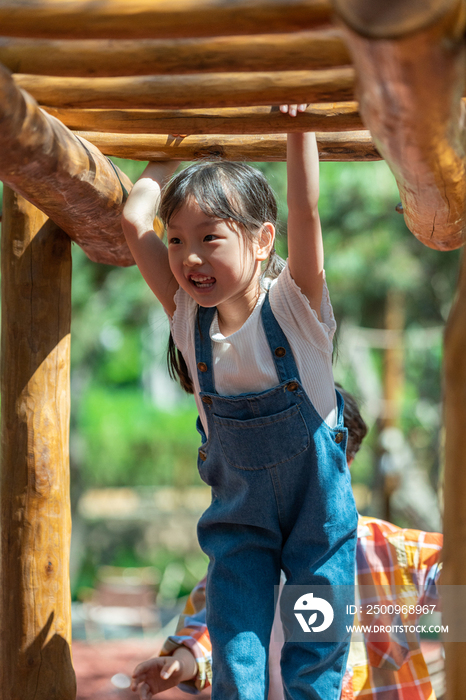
[292, 110]
[163, 672]
[155, 675]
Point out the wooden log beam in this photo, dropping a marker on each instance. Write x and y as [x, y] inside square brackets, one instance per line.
[380, 19]
[69, 179]
[188, 91]
[336, 116]
[410, 98]
[454, 518]
[35, 502]
[346, 146]
[99, 58]
[154, 19]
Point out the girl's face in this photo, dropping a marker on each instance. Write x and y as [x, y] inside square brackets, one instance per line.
[211, 259]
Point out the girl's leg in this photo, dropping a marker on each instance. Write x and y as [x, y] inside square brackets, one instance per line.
[243, 572]
[319, 560]
[313, 663]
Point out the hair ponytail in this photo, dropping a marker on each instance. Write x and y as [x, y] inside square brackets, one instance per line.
[177, 368]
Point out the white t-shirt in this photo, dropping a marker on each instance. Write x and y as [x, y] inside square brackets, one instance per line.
[243, 362]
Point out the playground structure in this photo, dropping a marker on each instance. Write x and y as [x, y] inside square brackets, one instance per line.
[85, 80]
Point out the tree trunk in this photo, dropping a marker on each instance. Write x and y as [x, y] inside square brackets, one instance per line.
[393, 365]
[35, 507]
[393, 380]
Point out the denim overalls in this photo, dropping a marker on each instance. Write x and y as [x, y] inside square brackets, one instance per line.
[281, 499]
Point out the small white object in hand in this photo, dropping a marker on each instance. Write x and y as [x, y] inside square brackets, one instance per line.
[121, 680]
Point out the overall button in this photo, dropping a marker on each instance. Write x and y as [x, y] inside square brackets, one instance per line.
[207, 400]
[280, 352]
[202, 455]
[292, 386]
[339, 437]
[202, 367]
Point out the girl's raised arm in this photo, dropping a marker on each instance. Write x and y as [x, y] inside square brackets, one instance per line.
[305, 249]
[149, 252]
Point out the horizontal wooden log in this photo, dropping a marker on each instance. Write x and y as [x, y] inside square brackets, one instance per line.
[337, 116]
[188, 91]
[380, 19]
[67, 178]
[409, 96]
[157, 19]
[347, 146]
[98, 58]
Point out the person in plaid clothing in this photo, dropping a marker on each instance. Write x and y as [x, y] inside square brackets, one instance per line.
[393, 565]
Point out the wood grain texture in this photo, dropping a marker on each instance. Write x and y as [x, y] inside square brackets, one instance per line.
[346, 146]
[380, 19]
[35, 504]
[410, 98]
[105, 58]
[69, 179]
[192, 91]
[454, 517]
[336, 116]
[154, 19]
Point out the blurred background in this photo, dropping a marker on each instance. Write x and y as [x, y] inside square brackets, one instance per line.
[136, 494]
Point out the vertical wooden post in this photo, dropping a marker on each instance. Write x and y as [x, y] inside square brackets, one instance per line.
[35, 659]
[454, 522]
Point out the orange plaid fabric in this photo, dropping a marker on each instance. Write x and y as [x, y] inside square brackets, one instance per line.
[398, 566]
[191, 632]
[392, 564]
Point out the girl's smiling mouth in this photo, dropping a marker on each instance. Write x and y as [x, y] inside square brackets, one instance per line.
[202, 281]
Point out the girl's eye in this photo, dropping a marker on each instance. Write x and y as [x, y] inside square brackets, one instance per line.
[174, 241]
[210, 237]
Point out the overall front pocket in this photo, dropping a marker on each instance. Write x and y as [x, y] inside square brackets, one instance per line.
[260, 443]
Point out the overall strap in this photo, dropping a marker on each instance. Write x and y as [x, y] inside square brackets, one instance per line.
[203, 347]
[279, 346]
[340, 407]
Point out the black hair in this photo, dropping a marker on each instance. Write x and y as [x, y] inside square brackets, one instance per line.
[357, 428]
[226, 190]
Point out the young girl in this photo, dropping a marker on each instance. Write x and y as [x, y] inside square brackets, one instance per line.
[256, 353]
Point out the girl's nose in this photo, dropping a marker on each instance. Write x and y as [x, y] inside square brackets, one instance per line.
[192, 259]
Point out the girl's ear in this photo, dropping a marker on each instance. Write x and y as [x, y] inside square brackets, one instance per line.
[266, 240]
